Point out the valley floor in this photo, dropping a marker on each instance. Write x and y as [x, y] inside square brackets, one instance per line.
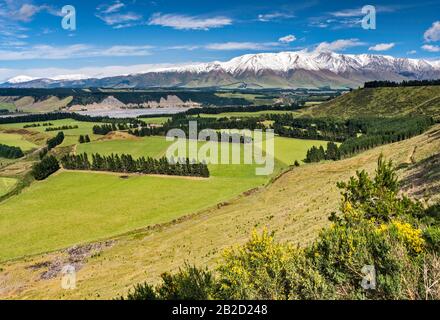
[295, 206]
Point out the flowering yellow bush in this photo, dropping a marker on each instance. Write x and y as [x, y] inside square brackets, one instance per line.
[411, 236]
[254, 269]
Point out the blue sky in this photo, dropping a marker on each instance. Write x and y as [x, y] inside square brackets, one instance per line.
[124, 36]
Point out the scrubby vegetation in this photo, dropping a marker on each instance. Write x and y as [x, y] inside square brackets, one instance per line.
[127, 164]
[10, 152]
[375, 230]
[36, 125]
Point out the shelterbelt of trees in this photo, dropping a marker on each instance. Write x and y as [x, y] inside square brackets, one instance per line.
[106, 128]
[126, 164]
[47, 166]
[10, 152]
[375, 226]
[405, 83]
[61, 128]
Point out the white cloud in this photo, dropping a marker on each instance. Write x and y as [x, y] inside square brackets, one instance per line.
[412, 52]
[274, 16]
[382, 47]
[184, 22]
[287, 39]
[115, 7]
[240, 46]
[119, 18]
[112, 16]
[25, 12]
[47, 52]
[357, 12]
[433, 33]
[347, 13]
[338, 45]
[431, 48]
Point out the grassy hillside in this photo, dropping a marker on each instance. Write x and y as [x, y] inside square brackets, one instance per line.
[382, 101]
[71, 135]
[16, 140]
[295, 206]
[6, 184]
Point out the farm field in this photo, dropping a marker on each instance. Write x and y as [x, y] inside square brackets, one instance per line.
[100, 205]
[256, 99]
[16, 140]
[7, 106]
[71, 136]
[155, 120]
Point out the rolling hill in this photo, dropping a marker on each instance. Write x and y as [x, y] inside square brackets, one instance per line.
[381, 101]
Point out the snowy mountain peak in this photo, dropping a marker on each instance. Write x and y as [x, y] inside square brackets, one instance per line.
[69, 77]
[312, 61]
[299, 69]
[20, 79]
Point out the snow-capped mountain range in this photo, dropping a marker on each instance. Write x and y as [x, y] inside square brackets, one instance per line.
[299, 69]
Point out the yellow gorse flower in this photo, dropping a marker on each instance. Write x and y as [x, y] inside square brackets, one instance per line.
[407, 233]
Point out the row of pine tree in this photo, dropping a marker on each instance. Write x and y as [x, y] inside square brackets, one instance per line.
[125, 163]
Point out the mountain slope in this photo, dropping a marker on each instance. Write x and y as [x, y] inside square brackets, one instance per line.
[381, 101]
[300, 69]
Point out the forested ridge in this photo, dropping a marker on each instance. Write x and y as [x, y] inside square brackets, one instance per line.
[404, 83]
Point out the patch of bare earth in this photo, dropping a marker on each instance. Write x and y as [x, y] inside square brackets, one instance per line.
[118, 135]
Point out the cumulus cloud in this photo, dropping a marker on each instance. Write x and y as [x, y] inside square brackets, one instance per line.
[185, 22]
[433, 33]
[382, 47]
[431, 48]
[287, 39]
[338, 45]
